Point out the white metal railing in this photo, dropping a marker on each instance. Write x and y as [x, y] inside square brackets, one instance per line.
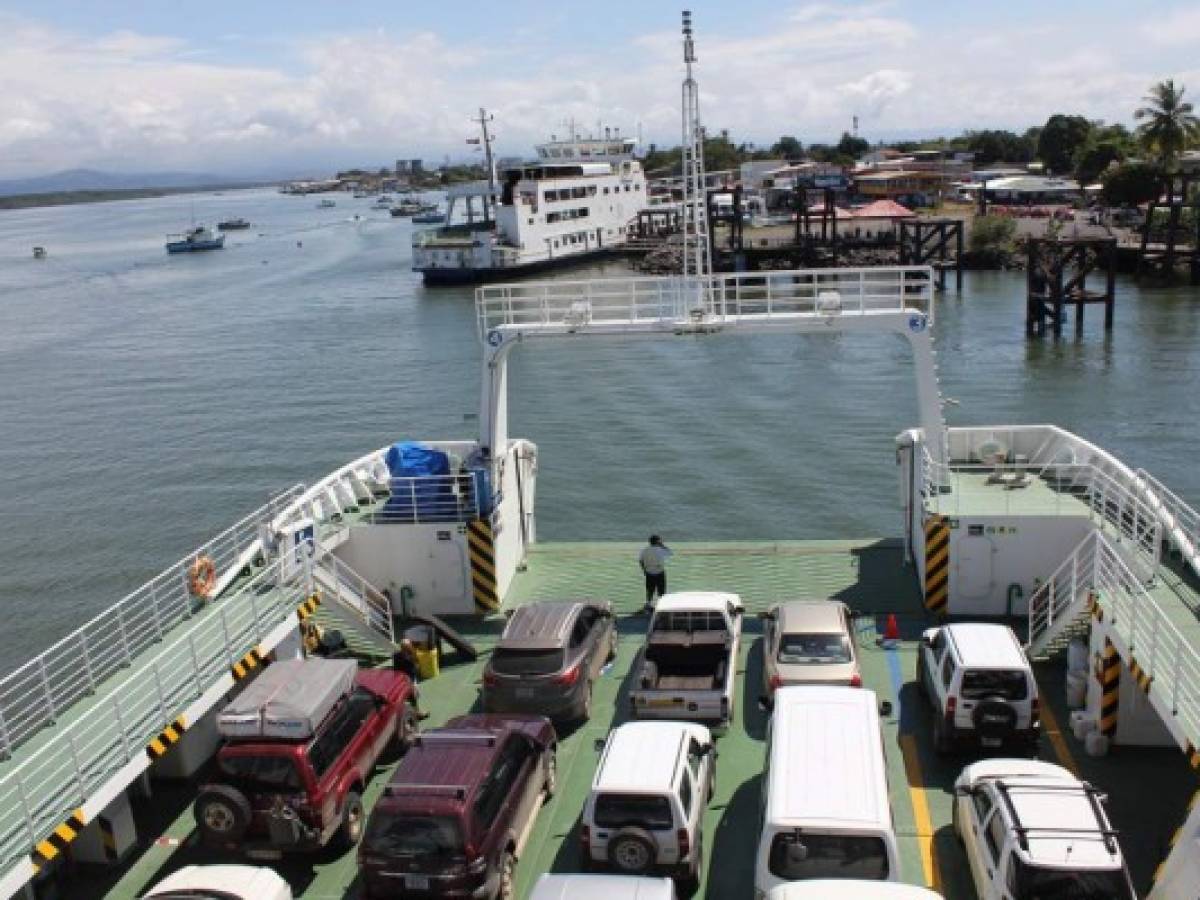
[433, 498]
[39, 793]
[1108, 497]
[1097, 569]
[814, 292]
[1181, 522]
[38, 692]
[345, 586]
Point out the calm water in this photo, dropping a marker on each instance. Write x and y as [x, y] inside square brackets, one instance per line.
[148, 401]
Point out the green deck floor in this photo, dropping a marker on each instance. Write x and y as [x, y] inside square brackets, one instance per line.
[869, 575]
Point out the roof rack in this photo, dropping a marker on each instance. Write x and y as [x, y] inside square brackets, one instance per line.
[449, 790]
[456, 737]
[1093, 794]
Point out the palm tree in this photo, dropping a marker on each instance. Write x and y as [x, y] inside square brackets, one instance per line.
[1170, 126]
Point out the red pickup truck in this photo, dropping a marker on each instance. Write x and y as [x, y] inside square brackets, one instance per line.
[298, 793]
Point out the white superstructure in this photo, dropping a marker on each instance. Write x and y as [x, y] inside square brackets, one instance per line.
[579, 198]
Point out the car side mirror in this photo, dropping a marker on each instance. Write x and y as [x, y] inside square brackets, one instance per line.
[885, 707]
[764, 703]
[598, 745]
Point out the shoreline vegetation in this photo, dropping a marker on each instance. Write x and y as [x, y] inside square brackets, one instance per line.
[70, 198]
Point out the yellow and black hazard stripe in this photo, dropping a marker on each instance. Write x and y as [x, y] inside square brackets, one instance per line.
[1193, 756]
[1140, 675]
[108, 837]
[58, 841]
[1097, 611]
[308, 607]
[1175, 837]
[166, 739]
[247, 664]
[481, 548]
[937, 564]
[1110, 687]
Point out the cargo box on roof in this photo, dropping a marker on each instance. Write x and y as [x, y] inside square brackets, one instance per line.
[289, 699]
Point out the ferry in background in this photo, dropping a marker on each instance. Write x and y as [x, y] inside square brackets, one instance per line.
[200, 237]
[576, 201]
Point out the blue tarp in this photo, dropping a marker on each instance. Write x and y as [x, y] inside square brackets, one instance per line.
[409, 459]
[421, 492]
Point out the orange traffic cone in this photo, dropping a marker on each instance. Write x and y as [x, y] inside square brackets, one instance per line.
[891, 632]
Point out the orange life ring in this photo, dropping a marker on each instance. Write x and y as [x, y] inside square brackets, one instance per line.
[202, 577]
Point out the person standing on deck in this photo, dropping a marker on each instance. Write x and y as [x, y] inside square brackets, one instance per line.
[653, 560]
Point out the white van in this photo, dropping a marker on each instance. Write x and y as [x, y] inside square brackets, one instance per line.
[848, 889]
[602, 887]
[825, 807]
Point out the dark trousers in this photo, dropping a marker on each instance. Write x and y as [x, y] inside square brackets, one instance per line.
[655, 584]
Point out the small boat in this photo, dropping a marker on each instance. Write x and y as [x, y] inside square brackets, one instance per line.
[327, 204]
[360, 195]
[408, 208]
[435, 217]
[237, 224]
[384, 202]
[39, 252]
[200, 237]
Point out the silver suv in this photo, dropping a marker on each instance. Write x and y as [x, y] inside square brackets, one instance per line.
[981, 687]
[548, 658]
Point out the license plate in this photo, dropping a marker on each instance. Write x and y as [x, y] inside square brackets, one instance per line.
[265, 854]
[524, 693]
[656, 701]
[990, 742]
[416, 882]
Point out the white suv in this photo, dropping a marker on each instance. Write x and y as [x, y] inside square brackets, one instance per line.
[980, 685]
[1032, 829]
[647, 801]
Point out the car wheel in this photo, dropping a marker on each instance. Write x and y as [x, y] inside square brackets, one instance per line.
[632, 851]
[222, 814]
[350, 832]
[551, 783]
[407, 728]
[507, 889]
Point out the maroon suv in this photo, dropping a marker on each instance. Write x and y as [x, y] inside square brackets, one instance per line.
[451, 820]
[280, 794]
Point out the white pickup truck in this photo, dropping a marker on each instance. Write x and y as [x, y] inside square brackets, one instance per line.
[687, 667]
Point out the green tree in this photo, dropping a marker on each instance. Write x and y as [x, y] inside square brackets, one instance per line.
[991, 238]
[1169, 125]
[1060, 139]
[852, 146]
[998, 146]
[1093, 159]
[788, 147]
[1131, 184]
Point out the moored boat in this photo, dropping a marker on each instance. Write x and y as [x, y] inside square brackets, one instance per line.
[237, 224]
[200, 237]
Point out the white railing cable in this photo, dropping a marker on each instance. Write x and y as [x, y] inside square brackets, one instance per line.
[35, 694]
[346, 587]
[37, 794]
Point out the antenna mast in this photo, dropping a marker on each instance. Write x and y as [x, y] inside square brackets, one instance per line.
[483, 121]
[695, 208]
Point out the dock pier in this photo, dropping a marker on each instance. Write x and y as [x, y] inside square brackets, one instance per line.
[1056, 277]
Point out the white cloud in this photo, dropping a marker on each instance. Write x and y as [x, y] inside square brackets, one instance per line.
[144, 101]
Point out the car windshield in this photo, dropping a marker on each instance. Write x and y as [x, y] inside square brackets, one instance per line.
[1009, 684]
[413, 836]
[526, 662]
[1034, 883]
[620, 810]
[814, 648]
[262, 773]
[194, 894]
[796, 856]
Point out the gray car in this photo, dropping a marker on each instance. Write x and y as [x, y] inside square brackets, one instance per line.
[548, 657]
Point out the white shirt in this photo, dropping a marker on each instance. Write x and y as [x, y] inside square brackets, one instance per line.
[654, 559]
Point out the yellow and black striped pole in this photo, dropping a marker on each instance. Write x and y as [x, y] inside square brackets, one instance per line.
[1110, 687]
[481, 548]
[937, 564]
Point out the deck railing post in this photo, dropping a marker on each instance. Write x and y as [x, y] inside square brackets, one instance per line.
[49, 695]
[124, 634]
[225, 635]
[87, 663]
[195, 664]
[116, 708]
[78, 767]
[5, 743]
[162, 697]
[24, 798]
[158, 628]
[1176, 674]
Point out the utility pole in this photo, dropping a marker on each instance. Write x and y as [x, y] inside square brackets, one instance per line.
[696, 261]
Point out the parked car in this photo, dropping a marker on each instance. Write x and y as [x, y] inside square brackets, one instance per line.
[294, 766]
[602, 887]
[1032, 829]
[848, 889]
[548, 658]
[981, 686]
[809, 642]
[687, 667]
[453, 818]
[221, 883]
[646, 806]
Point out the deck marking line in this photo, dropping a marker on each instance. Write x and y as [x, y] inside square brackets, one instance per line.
[58, 841]
[1158, 870]
[1057, 741]
[481, 550]
[937, 564]
[931, 870]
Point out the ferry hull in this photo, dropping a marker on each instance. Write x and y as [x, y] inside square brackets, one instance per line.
[435, 276]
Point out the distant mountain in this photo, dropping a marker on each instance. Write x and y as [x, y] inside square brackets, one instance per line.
[93, 180]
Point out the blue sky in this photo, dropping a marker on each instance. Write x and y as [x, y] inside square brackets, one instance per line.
[252, 87]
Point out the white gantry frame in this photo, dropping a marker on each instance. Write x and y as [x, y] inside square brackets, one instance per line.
[809, 301]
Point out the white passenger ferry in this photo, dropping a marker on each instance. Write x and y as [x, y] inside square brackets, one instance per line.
[577, 200]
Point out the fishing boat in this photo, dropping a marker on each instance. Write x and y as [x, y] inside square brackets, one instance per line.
[197, 238]
[429, 217]
[326, 203]
[39, 252]
[408, 207]
[238, 224]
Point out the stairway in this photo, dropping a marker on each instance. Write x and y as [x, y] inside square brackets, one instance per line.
[355, 607]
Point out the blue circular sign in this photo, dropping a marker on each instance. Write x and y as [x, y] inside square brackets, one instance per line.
[495, 338]
[916, 323]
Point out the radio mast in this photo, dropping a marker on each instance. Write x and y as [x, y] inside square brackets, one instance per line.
[696, 260]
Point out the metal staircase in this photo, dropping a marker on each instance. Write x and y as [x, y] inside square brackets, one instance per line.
[355, 606]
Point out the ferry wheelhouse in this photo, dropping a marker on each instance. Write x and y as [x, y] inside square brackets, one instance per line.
[577, 200]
